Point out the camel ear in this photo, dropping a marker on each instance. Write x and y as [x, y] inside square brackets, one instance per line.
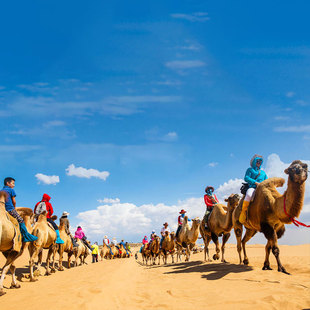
[226, 199]
[286, 170]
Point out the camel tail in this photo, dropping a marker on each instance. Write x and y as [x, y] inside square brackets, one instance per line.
[273, 182]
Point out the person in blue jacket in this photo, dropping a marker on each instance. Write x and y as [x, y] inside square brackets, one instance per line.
[253, 176]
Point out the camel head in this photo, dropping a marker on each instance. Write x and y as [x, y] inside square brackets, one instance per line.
[172, 235]
[232, 201]
[166, 233]
[297, 171]
[196, 221]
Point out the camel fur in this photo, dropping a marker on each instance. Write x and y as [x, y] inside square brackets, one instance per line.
[266, 212]
[66, 247]
[155, 250]
[219, 224]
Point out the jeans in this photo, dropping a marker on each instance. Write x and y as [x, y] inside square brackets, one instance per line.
[52, 223]
[95, 258]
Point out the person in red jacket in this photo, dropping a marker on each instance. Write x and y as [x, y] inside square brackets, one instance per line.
[45, 205]
[210, 201]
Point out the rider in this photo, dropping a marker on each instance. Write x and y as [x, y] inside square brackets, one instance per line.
[180, 222]
[45, 205]
[65, 221]
[253, 176]
[210, 201]
[144, 243]
[124, 245]
[79, 234]
[163, 232]
[10, 205]
[106, 241]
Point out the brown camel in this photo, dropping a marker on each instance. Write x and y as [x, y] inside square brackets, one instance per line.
[146, 253]
[155, 250]
[80, 252]
[46, 240]
[168, 246]
[267, 214]
[104, 252]
[123, 253]
[187, 237]
[115, 252]
[10, 243]
[219, 224]
[66, 247]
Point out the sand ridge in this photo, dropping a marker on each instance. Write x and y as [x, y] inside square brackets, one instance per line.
[126, 283]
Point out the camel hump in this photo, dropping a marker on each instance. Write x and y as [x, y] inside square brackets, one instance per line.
[24, 211]
[3, 196]
[273, 182]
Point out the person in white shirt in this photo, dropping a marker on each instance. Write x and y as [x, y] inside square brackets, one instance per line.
[114, 241]
[163, 232]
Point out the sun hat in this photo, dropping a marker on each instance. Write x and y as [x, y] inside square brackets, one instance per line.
[153, 231]
[65, 213]
[209, 187]
[182, 211]
[105, 236]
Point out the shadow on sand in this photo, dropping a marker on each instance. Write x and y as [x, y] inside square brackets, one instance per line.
[213, 271]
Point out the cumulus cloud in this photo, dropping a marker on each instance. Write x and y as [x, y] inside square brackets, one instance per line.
[130, 221]
[47, 179]
[194, 17]
[81, 172]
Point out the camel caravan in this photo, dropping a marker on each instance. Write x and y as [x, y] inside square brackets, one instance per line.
[261, 209]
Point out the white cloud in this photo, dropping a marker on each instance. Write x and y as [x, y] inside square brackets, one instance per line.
[185, 64]
[301, 128]
[281, 118]
[213, 164]
[47, 179]
[170, 136]
[130, 221]
[290, 94]
[81, 172]
[194, 17]
[109, 200]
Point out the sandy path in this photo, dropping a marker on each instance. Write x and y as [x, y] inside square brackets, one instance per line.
[125, 283]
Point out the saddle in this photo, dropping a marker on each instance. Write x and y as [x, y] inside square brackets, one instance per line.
[17, 239]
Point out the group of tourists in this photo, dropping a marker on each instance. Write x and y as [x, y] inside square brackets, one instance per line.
[253, 176]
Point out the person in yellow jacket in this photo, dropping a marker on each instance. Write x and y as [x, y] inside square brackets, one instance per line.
[95, 252]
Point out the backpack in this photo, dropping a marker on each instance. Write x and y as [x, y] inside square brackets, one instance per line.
[41, 207]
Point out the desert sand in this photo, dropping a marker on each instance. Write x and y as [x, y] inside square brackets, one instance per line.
[126, 283]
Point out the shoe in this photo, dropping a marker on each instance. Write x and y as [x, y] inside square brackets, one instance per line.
[58, 240]
[242, 217]
[26, 236]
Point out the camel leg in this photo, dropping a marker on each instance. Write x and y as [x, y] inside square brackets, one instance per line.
[267, 250]
[69, 259]
[249, 233]
[238, 233]
[271, 235]
[14, 284]
[9, 260]
[5, 269]
[172, 258]
[206, 249]
[54, 250]
[215, 239]
[224, 240]
[48, 258]
[34, 252]
[61, 253]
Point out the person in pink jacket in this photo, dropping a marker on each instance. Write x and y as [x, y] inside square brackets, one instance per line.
[79, 234]
[144, 243]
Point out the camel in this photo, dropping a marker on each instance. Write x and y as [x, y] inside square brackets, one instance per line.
[80, 252]
[219, 223]
[270, 210]
[10, 243]
[155, 249]
[104, 252]
[66, 247]
[168, 246]
[187, 237]
[46, 240]
[123, 253]
[146, 254]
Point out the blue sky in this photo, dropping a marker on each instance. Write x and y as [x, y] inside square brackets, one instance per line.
[166, 97]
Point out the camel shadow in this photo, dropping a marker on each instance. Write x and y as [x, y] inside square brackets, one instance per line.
[214, 271]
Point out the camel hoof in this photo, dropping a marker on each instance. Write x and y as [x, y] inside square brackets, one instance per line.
[266, 267]
[246, 261]
[282, 269]
[37, 273]
[15, 285]
[53, 270]
[224, 261]
[47, 273]
[33, 280]
[2, 292]
[62, 269]
[215, 257]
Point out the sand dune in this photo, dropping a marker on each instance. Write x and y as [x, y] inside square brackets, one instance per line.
[125, 283]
